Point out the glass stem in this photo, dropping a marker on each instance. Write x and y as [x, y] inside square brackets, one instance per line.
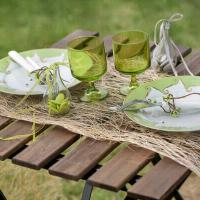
[133, 82]
[91, 87]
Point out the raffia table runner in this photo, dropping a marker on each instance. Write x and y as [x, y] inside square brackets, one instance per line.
[95, 120]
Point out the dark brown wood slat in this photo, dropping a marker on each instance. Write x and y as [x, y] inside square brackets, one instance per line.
[82, 159]
[158, 184]
[184, 52]
[4, 121]
[122, 168]
[46, 148]
[16, 128]
[63, 43]
[193, 62]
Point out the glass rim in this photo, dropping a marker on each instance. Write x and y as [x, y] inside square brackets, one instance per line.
[89, 48]
[137, 31]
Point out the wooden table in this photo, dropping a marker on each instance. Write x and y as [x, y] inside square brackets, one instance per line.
[82, 162]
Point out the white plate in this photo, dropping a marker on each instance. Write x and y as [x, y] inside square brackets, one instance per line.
[16, 80]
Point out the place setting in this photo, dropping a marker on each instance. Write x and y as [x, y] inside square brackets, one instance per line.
[165, 104]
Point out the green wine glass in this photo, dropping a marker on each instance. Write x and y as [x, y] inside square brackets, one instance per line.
[87, 61]
[131, 55]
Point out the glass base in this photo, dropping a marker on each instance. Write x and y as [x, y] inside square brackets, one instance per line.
[95, 95]
[126, 89]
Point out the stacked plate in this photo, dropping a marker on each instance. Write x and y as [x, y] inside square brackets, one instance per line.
[14, 79]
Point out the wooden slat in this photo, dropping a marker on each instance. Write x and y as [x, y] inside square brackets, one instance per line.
[63, 43]
[46, 148]
[19, 127]
[158, 184]
[184, 52]
[122, 168]
[4, 121]
[193, 63]
[82, 159]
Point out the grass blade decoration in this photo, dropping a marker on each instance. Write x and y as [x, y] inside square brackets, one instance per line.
[58, 103]
[169, 99]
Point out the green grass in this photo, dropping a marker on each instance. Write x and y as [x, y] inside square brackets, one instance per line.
[30, 24]
[37, 24]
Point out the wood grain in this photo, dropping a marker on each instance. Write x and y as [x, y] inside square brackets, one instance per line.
[46, 148]
[122, 168]
[160, 182]
[82, 159]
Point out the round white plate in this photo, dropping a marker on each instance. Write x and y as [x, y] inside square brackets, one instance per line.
[16, 80]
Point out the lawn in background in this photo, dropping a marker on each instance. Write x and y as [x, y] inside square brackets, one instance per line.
[31, 24]
[26, 24]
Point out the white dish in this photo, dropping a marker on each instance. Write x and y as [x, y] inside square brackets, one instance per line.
[14, 79]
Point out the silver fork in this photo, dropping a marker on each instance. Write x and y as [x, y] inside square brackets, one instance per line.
[135, 105]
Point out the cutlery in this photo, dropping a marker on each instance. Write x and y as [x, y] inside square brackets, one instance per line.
[33, 63]
[15, 56]
[136, 105]
[31, 66]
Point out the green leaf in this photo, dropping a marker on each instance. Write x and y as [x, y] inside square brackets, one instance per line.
[64, 107]
[60, 98]
[51, 104]
[60, 105]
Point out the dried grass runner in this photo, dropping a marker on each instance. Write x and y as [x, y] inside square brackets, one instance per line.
[95, 120]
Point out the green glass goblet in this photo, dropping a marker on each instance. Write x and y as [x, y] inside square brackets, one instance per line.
[131, 55]
[87, 61]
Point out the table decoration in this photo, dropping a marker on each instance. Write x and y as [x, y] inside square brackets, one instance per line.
[48, 74]
[97, 121]
[174, 103]
[87, 60]
[166, 51]
[60, 105]
[14, 79]
[131, 55]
